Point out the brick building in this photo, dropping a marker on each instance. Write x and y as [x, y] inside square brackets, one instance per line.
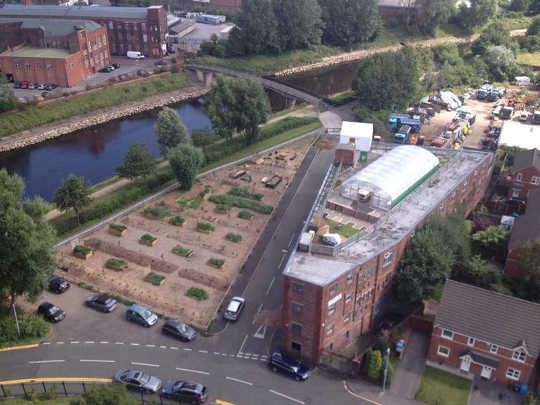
[525, 174]
[129, 28]
[483, 333]
[526, 229]
[63, 52]
[333, 295]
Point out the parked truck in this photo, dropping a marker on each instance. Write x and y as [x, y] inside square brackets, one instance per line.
[507, 112]
[483, 92]
[397, 120]
[402, 136]
[536, 117]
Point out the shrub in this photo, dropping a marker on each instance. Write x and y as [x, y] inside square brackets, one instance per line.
[245, 215]
[245, 193]
[118, 227]
[154, 278]
[197, 293]
[182, 251]
[216, 262]
[205, 227]
[192, 203]
[233, 237]
[223, 207]
[177, 220]
[32, 327]
[203, 193]
[147, 238]
[156, 212]
[84, 250]
[115, 263]
[240, 202]
[204, 137]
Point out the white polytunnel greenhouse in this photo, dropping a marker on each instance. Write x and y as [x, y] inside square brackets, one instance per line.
[391, 177]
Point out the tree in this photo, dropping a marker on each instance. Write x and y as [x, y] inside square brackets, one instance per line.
[501, 62]
[519, 5]
[534, 27]
[388, 80]
[8, 101]
[478, 13]
[481, 274]
[494, 34]
[72, 193]
[26, 256]
[137, 163]
[347, 22]
[429, 14]
[300, 23]
[106, 394]
[373, 364]
[185, 161]
[237, 105]
[170, 130]
[529, 257]
[491, 241]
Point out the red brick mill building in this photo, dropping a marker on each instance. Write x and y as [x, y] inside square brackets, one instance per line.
[333, 295]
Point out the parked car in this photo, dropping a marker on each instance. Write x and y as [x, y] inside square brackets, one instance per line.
[235, 307]
[179, 330]
[116, 65]
[107, 69]
[50, 86]
[139, 314]
[101, 302]
[24, 84]
[138, 380]
[51, 312]
[58, 285]
[280, 362]
[31, 86]
[17, 85]
[181, 391]
[41, 86]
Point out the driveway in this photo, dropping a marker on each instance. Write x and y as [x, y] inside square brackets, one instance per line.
[407, 376]
[492, 393]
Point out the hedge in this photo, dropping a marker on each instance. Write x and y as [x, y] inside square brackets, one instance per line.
[157, 212]
[227, 199]
[245, 193]
[197, 293]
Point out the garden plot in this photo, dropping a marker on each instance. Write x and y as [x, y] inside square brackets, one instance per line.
[195, 241]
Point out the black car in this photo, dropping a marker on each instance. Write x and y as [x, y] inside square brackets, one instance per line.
[51, 312]
[101, 302]
[139, 314]
[50, 86]
[58, 285]
[116, 65]
[138, 380]
[192, 393]
[279, 362]
[179, 330]
[107, 69]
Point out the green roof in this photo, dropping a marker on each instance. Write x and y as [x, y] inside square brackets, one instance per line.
[29, 52]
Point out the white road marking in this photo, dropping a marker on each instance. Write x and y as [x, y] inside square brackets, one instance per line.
[217, 353]
[46, 343]
[203, 351]
[119, 343]
[193, 371]
[270, 286]
[173, 348]
[255, 356]
[281, 261]
[238, 380]
[243, 343]
[74, 342]
[288, 397]
[260, 332]
[97, 361]
[103, 342]
[45, 361]
[134, 344]
[59, 343]
[89, 342]
[258, 311]
[187, 349]
[144, 364]
[224, 354]
[162, 347]
[291, 241]
[240, 356]
[247, 354]
[150, 345]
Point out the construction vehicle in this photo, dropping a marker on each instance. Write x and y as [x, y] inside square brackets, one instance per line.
[397, 120]
[402, 136]
[483, 92]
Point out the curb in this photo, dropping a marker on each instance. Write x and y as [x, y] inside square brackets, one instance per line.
[354, 394]
[10, 348]
[56, 379]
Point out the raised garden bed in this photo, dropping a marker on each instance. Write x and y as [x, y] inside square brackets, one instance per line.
[156, 213]
[233, 237]
[241, 202]
[153, 278]
[245, 193]
[245, 215]
[117, 264]
[148, 240]
[177, 221]
[205, 227]
[82, 252]
[198, 293]
[182, 251]
[117, 229]
[217, 263]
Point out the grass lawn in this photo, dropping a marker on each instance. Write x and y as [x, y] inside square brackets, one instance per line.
[345, 230]
[531, 59]
[441, 388]
[33, 116]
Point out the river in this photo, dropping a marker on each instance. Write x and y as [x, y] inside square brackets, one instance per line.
[93, 153]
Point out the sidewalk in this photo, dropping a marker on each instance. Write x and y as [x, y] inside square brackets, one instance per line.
[408, 374]
[372, 394]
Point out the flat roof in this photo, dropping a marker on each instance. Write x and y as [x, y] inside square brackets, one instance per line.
[394, 224]
[74, 11]
[30, 52]
[53, 27]
[515, 133]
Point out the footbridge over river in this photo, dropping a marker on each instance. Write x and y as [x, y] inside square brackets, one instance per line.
[205, 75]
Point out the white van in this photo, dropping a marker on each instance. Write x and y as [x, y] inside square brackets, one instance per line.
[135, 55]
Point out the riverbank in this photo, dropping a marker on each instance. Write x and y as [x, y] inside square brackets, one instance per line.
[99, 115]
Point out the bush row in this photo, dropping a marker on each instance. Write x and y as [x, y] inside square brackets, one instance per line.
[244, 192]
[32, 327]
[234, 201]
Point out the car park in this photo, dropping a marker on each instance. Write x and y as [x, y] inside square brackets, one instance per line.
[139, 314]
[179, 330]
[235, 307]
[58, 285]
[51, 312]
[287, 365]
[138, 380]
[184, 391]
[101, 302]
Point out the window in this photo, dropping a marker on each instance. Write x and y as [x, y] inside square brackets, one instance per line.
[296, 329]
[296, 346]
[346, 318]
[519, 177]
[471, 341]
[519, 355]
[330, 329]
[17, 66]
[493, 348]
[38, 66]
[297, 307]
[298, 288]
[348, 297]
[515, 193]
[535, 180]
[331, 309]
[350, 278]
[27, 66]
[49, 66]
[111, 25]
[447, 334]
[333, 289]
[443, 351]
[513, 374]
[388, 258]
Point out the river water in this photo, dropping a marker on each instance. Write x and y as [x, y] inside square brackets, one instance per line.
[93, 153]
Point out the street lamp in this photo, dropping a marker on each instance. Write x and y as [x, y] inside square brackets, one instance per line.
[386, 369]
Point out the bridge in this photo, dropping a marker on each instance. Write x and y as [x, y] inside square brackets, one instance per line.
[205, 75]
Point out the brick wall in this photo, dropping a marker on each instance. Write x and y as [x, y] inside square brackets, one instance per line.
[522, 182]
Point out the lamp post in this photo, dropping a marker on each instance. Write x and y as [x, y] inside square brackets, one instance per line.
[16, 321]
[386, 369]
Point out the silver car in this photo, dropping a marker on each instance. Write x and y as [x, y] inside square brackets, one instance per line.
[138, 380]
[235, 307]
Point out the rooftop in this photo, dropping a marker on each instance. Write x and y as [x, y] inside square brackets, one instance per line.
[524, 136]
[393, 225]
[73, 11]
[54, 27]
[527, 226]
[489, 316]
[527, 158]
[30, 52]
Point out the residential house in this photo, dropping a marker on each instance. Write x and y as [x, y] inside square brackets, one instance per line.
[482, 333]
[525, 175]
